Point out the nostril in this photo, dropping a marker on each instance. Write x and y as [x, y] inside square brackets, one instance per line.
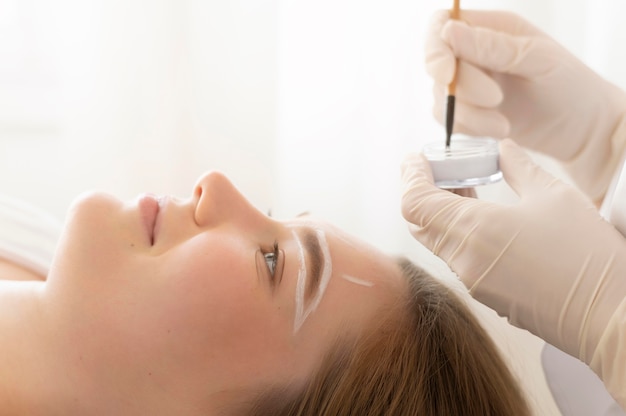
[197, 197]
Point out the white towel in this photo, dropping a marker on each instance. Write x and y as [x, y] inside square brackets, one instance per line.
[28, 234]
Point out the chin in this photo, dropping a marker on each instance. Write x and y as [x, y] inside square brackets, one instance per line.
[91, 216]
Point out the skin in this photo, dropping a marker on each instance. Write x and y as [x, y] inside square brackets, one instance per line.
[185, 324]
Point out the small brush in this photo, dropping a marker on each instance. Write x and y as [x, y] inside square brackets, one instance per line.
[451, 99]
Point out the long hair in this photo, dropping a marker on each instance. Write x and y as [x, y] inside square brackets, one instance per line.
[426, 356]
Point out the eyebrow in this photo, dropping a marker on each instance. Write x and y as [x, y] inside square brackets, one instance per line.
[315, 271]
[313, 249]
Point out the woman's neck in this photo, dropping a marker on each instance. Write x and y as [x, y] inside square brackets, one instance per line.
[20, 339]
[35, 378]
[45, 367]
[19, 322]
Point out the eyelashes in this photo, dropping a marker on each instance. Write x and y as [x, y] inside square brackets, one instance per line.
[274, 260]
[270, 263]
[271, 260]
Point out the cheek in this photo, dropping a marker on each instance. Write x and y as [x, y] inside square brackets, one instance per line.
[215, 301]
[227, 320]
[224, 323]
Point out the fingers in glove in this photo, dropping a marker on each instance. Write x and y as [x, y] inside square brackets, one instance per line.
[439, 219]
[525, 56]
[439, 58]
[500, 21]
[421, 199]
[521, 173]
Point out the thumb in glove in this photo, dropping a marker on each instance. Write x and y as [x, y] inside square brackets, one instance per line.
[549, 263]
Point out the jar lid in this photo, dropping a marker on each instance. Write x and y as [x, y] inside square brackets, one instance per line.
[468, 162]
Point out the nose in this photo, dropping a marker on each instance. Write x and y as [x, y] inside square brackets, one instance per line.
[218, 200]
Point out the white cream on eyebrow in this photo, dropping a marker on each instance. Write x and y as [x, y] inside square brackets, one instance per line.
[356, 280]
[301, 312]
[300, 283]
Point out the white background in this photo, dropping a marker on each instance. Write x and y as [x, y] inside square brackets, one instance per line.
[307, 106]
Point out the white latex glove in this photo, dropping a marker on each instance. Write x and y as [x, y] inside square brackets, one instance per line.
[549, 263]
[515, 81]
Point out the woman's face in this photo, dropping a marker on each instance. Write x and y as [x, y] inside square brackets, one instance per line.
[208, 295]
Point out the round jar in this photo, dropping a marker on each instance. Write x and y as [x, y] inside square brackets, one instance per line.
[468, 162]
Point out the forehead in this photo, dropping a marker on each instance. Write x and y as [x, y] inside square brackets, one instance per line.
[350, 256]
[363, 284]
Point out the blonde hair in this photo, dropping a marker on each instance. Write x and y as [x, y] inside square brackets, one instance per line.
[426, 356]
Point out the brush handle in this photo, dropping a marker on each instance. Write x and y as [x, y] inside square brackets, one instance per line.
[456, 9]
[454, 14]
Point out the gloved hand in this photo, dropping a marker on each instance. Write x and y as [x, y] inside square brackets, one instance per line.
[549, 263]
[515, 81]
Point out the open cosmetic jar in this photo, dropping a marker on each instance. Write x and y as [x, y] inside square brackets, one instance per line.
[468, 162]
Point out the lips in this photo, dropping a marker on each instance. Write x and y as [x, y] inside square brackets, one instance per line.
[149, 211]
